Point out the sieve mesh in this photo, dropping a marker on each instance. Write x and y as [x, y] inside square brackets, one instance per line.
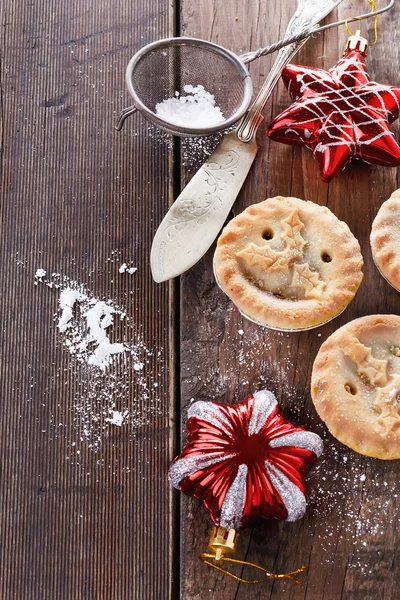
[162, 70]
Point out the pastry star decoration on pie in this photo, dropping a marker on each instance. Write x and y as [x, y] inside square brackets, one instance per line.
[374, 369]
[309, 280]
[273, 260]
[265, 256]
[388, 404]
[339, 114]
[291, 235]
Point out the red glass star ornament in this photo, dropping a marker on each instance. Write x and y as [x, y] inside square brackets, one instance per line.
[245, 461]
[340, 114]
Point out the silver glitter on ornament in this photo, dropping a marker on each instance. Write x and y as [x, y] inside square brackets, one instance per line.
[232, 506]
[300, 439]
[207, 411]
[188, 465]
[292, 497]
[264, 404]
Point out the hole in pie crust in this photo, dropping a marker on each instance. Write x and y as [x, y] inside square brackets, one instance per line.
[326, 257]
[350, 389]
[268, 234]
[395, 350]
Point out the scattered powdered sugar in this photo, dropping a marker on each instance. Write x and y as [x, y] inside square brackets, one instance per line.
[112, 371]
[67, 300]
[125, 269]
[117, 418]
[193, 151]
[253, 354]
[352, 499]
[195, 109]
[87, 338]
[40, 273]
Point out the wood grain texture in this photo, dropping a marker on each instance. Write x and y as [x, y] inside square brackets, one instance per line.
[348, 538]
[78, 198]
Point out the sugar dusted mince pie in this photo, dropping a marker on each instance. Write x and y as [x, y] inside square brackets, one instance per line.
[288, 264]
[385, 240]
[355, 385]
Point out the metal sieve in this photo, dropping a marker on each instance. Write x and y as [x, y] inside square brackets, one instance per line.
[165, 67]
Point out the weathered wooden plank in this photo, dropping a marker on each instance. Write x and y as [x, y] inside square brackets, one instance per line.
[348, 538]
[79, 199]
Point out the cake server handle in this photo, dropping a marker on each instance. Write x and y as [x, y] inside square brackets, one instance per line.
[307, 15]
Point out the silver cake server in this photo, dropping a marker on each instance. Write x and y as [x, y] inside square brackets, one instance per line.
[196, 217]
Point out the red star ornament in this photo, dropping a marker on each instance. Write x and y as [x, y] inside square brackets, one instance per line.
[340, 114]
[245, 461]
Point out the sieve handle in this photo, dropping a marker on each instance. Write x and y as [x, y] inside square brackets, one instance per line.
[123, 115]
[248, 57]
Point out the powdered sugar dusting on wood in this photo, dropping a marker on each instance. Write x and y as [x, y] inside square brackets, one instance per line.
[115, 373]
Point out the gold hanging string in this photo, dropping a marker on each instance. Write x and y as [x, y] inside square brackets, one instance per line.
[206, 558]
[373, 7]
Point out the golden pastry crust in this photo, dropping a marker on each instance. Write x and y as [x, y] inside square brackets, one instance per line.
[355, 385]
[288, 264]
[385, 240]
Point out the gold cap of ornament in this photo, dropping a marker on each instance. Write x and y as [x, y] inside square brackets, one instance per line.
[223, 542]
[357, 42]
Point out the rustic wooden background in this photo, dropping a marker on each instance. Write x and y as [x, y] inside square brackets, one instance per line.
[107, 525]
[89, 525]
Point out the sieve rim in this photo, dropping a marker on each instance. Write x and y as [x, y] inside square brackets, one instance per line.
[178, 129]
